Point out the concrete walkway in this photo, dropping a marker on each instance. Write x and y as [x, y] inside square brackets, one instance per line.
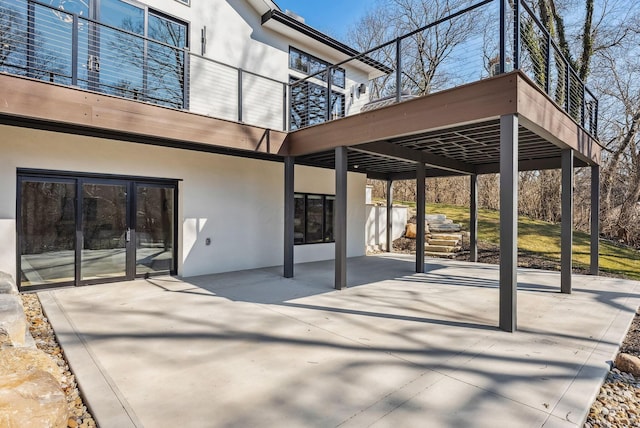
[396, 349]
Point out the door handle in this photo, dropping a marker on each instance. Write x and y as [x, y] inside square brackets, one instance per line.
[128, 235]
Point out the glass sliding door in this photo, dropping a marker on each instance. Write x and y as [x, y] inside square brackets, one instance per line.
[105, 231]
[47, 231]
[154, 229]
[77, 230]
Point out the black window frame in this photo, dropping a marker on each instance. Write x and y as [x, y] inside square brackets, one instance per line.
[327, 226]
[308, 104]
[338, 74]
[77, 179]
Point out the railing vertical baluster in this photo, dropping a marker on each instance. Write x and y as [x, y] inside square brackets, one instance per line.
[31, 32]
[567, 86]
[516, 35]
[329, 95]
[145, 72]
[398, 69]
[74, 50]
[186, 79]
[284, 106]
[503, 35]
[583, 108]
[289, 112]
[547, 67]
[239, 95]
[594, 131]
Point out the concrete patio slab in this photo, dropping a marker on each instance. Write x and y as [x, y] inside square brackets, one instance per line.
[394, 349]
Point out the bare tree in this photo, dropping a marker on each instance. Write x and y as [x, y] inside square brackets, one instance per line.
[424, 53]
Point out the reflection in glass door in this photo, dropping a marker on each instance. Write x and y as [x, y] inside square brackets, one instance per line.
[47, 231]
[105, 231]
[154, 229]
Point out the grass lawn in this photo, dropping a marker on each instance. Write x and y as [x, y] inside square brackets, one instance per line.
[543, 239]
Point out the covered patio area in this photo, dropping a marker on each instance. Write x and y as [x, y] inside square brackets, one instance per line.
[396, 348]
[504, 124]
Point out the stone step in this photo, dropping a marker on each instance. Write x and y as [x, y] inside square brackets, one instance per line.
[441, 248]
[435, 217]
[445, 227]
[447, 236]
[445, 242]
[440, 255]
[437, 223]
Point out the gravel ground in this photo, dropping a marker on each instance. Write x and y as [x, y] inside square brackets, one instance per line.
[46, 341]
[617, 404]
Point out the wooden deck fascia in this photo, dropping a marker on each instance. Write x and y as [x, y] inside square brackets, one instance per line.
[72, 110]
[471, 103]
[488, 99]
[25, 102]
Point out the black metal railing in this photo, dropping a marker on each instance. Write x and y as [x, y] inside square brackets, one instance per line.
[457, 47]
[44, 42]
[482, 40]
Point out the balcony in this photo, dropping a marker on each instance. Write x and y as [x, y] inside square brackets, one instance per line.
[45, 43]
[38, 41]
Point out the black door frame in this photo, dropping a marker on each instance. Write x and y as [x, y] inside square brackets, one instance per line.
[129, 249]
[80, 178]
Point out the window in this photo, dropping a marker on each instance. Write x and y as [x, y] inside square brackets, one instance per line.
[134, 68]
[313, 219]
[310, 65]
[309, 104]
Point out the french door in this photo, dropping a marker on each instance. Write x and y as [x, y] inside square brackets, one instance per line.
[85, 230]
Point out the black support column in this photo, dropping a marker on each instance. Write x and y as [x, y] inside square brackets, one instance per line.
[340, 220]
[473, 219]
[566, 226]
[420, 216]
[389, 216]
[289, 214]
[594, 267]
[508, 222]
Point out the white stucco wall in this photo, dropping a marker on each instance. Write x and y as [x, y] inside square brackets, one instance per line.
[236, 37]
[376, 224]
[322, 181]
[236, 202]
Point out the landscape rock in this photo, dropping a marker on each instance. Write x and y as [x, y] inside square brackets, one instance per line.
[5, 339]
[7, 284]
[412, 231]
[15, 360]
[32, 399]
[628, 364]
[12, 318]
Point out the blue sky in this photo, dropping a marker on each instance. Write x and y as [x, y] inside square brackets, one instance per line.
[329, 16]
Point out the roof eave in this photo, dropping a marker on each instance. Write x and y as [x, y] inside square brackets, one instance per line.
[277, 16]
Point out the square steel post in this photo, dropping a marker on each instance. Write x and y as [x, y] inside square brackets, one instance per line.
[566, 225]
[420, 216]
[389, 216]
[595, 220]
[473, 219]
[289, 215]
[340, 218]
[508, 222]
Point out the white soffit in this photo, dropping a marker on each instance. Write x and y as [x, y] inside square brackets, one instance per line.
[263, 6]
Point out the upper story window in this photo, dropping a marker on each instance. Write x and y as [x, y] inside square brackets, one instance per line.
[310, 65]
[131, 17]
